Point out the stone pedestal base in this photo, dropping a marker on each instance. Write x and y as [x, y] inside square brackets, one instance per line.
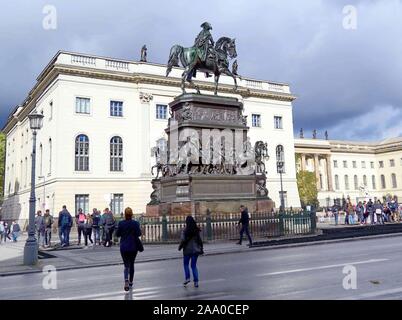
[215, 206]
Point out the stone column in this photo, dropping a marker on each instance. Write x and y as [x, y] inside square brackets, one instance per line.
[317, 171]
[145, 99]
[303, 162]
[329, 173]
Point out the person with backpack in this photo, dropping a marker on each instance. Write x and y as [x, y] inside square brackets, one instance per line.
[192, 246]
[129, 232]
[48, 220]
[108, 224]
[6, 234]
[65, 222]
[96, 224]
[15, 231]
[245, 222]
[80, 221]
[88, 229]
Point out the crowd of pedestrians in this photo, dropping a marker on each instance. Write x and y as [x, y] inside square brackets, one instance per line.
[10, 232]
[368, 212]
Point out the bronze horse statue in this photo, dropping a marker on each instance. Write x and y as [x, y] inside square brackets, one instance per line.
[216, 62]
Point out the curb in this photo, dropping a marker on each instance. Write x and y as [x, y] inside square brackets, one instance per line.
[256, 248]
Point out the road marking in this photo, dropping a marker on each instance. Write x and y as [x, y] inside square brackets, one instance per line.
[373, 294]
[321, 267]
[145, 295]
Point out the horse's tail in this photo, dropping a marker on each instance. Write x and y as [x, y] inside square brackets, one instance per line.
[173, 58]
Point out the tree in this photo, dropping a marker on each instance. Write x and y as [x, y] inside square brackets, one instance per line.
[307, 185]
[2, 162]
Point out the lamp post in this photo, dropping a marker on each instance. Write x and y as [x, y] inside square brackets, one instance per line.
[31, 245]
[279, 165]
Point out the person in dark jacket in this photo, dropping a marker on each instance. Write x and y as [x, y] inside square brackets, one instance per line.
[245, 222]
[88, 229]
[192, 246]
[129, 231]
[96, 223]
[48, 220]
[65, 222]
[109, 224]
[80, 221]
[370, 211]
[379, 211]
[15, 231]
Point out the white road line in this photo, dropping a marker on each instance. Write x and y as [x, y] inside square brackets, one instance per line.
[321, 267]
[134, 295]
[373, 294]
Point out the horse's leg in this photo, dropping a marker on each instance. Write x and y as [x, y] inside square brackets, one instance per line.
[216, 83]
[183, 80]
[230, 74]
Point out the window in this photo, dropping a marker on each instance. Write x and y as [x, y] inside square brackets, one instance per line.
[321, 182]
[356, 182]
[280, 157]
[354, 164]
[346, 182]
[116, 108]
[364, 164]
[41, 160]
[116, 154]
[372, 164]
[82, 202]
[50, 156]
[392, 163]
[26, 172]
[82, 153]
[82, 105]
[365, 180]
[335, 163]
[345, 164]
[116, 204]
[278, 122]
[373, 182]
[256, 120]
[161, 111]
[393, 179]
[383, 185]
[336, 182]
[381, 164]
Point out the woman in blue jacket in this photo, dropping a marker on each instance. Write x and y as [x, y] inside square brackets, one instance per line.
[129, 231]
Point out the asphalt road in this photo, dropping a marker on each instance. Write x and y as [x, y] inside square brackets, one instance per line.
[310, 272]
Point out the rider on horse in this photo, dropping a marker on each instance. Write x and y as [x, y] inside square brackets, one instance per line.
[204, 43]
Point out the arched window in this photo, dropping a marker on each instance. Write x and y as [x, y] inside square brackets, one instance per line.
[336, 182]
[393, 179]
[116, 154]
[373, 182]
[365, 180]
[356, 182]
[346, 182]
[280, 157]
[383, 185]
[82, 153]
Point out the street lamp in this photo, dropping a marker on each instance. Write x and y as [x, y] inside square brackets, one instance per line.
[279, 164]
[31, 245]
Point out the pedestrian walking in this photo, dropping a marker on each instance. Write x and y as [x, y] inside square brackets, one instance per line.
[129, 231]
[88, 230]
[40, 228]
[192, 246]
[48, 220]
[109, 224]
[370, 211]
[379, 211]
[15, 231]
[387, 214]
[245, 222]
[6, 234]
[65, 222]
[365, 212]
[350, 213]
[96, 223]
[335, 212]
[360, 212]
[1, 231]
[80, 221]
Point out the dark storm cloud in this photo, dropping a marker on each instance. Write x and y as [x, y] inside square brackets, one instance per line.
[344, 78]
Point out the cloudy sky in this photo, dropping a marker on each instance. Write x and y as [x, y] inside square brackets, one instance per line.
[348, 81]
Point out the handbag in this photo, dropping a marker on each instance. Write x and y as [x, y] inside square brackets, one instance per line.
[140, 246]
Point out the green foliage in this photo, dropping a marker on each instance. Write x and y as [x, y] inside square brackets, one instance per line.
[307, 185]
[2, 162]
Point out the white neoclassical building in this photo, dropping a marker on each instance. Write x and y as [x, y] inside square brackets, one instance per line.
[102, 116]
[352, 169]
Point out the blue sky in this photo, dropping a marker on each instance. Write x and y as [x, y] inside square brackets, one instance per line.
[347, 81]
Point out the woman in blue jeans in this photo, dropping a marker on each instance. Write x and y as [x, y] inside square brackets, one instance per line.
[192, 246]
